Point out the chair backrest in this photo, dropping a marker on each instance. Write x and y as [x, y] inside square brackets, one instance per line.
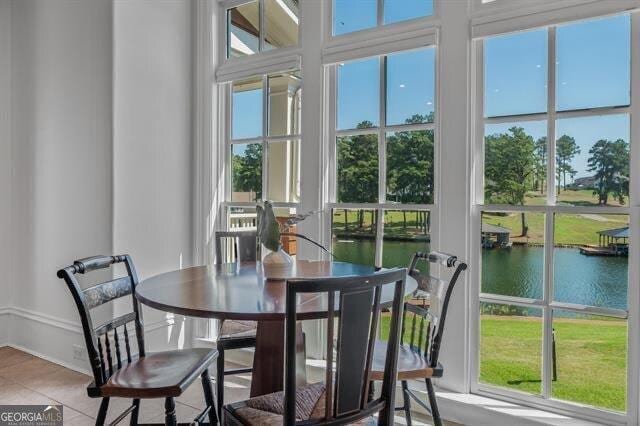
[426, 339]
[357, 314]
[236, 246]
[104, 359]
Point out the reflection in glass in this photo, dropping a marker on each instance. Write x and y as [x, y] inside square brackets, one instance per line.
[357, 168]
[405, 232]
[592, 160]
[512, 254]
[402, 10]
[283, 170]
[358, 94]
[247, 172]
[410, 87]
[289, 243]
[511, 347]
[350, 16]
[590, 259]
[243, 37]
[591, 360]
[593, 63]
[515, 74]
[285, 100]
[247, 109]
[281, 22]
[353, 234]
[410, 167]
[515, 164]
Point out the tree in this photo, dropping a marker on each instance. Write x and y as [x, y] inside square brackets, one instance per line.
[509, 164]
[540, 168]
[247, 170]
[566, 150]
[358, 167]
[610, 161]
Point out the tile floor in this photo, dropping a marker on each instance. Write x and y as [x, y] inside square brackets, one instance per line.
[26, 379]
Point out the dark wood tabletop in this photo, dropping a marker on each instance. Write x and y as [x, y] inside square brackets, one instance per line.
[242, 292]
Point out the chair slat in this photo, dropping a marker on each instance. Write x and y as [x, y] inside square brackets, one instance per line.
[106, 292]
[329, 402]
[111, 325]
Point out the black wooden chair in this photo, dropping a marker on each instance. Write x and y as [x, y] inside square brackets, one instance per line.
[344, 397]
[418, 354]
[117, 370]
[234, 246]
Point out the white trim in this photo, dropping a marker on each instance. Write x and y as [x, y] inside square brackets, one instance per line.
[50, 320]
[277, 60]
[519, 16]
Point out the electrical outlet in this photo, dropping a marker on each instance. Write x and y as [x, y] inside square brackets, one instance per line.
[79, 353]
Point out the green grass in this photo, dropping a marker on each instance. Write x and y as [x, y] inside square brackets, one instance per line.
[591, 358]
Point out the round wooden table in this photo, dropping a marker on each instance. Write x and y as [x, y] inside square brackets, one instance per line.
[242, 292]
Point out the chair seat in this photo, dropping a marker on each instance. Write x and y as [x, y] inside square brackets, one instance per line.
[411, 365]
[159, 375]
[268, 409]
[238, 328]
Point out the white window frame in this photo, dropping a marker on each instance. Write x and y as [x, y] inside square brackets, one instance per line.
[547, 304]
[381, 132]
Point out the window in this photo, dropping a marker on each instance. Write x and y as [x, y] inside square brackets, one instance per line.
[264, 146]
[351, 16]
[384, 157]
[261, 25]
[554, 218]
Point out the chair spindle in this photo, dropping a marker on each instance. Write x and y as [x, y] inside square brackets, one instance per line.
[126, 344]
[107, 345]
[117, 343]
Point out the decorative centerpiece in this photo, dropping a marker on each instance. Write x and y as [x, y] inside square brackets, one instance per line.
[270, 232]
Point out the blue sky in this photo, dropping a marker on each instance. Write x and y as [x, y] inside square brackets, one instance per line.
[356, 15]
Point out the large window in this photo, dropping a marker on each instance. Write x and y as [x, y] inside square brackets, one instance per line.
[261, 25]
[553, 214]
[383, 191]
[350, 16]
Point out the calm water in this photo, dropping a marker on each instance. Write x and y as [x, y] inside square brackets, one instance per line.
[587, 280]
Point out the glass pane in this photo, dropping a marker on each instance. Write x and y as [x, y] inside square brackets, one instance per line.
[358, 94]
[247, 109]
[247, 172]
[593, 63]
[243, 30]
[410, 87]
[590, 360]
[401, 10]
[283, 169]
[592, 160]
[515, 74]
[513, 254]
[357, 169]
[410, 167]
[350, 16]
[515, 163]
[405, 232]
[285, 102]
[511, 347]
[353, 235]
[590, 259]
[281, 22]
[289, 243]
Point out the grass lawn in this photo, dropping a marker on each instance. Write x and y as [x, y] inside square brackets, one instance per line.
[591, 358]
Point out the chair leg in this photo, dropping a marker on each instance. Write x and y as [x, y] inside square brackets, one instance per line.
[220, 381]
[134, 414]
[208, 397]
[170, 412]
[437, 421]
[407, 402]
[102, 413]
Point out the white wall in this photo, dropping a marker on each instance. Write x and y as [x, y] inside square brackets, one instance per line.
[61, 198]
[5, 164]
[153, 140]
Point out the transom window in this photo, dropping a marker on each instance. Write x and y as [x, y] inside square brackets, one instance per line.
[384, 151]
[554, 213]
[350, 16]
[261, 25]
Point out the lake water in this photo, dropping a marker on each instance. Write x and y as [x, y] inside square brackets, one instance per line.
[588, 280]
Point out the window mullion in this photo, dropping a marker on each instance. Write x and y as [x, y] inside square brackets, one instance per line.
[265, 129]
[382, 157]
[261, 31]
[551, 116]
[380, 17]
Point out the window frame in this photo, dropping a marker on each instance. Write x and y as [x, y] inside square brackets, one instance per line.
[550, 209]
[380, 131]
